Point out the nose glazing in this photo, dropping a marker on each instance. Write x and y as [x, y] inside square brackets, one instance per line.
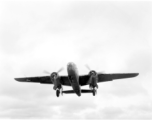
[70, 65]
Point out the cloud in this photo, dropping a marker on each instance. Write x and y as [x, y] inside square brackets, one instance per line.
[108, 36]
[141, 61]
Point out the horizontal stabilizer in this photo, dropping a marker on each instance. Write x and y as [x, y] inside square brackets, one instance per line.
[68, 92]
[86, 91]
[71, 91]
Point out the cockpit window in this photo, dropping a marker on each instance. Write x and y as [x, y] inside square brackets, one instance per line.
[71, 63]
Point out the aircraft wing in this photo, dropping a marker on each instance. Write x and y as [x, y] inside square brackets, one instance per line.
[44, 80]
[110, 77]
[106, 77]
[83, 80]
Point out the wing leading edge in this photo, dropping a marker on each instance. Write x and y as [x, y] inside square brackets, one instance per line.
[110, 77]
[106, 77]
[44, 80]
[83, 80]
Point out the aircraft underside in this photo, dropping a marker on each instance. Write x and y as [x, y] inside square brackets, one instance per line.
[58, 92]
[75, 81]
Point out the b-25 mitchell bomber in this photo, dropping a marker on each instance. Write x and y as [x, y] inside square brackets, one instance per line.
[75, 80]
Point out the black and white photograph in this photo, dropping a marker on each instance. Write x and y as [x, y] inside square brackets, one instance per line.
[76, 59]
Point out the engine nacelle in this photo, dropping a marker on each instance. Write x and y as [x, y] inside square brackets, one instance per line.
[93, 80]
[55, 80]
[92, 73]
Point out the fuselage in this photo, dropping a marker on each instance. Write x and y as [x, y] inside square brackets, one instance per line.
[74, 78]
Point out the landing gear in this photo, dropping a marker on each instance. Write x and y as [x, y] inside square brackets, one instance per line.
[94, 91]
[57, 92]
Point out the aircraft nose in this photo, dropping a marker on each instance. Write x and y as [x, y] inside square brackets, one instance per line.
[70, 65]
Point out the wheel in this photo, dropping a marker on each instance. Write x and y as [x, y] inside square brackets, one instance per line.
[57, 93]
[94, 92]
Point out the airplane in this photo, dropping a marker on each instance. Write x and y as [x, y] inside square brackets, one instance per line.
[76, 81]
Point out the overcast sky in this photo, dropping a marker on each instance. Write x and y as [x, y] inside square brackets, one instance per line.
[112, 37]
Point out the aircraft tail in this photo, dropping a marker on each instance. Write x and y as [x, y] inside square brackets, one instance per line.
[82, 91]
[68, 92]
[86, 91]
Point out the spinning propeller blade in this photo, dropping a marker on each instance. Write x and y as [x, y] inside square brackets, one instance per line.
[46, 72]
[61, 69]
[88, 67]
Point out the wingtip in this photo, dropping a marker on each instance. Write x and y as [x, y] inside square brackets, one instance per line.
[16, 79]
[136, 74]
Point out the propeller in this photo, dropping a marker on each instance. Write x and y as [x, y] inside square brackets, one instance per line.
[46, 72]
[87, 66]
[61, 69]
